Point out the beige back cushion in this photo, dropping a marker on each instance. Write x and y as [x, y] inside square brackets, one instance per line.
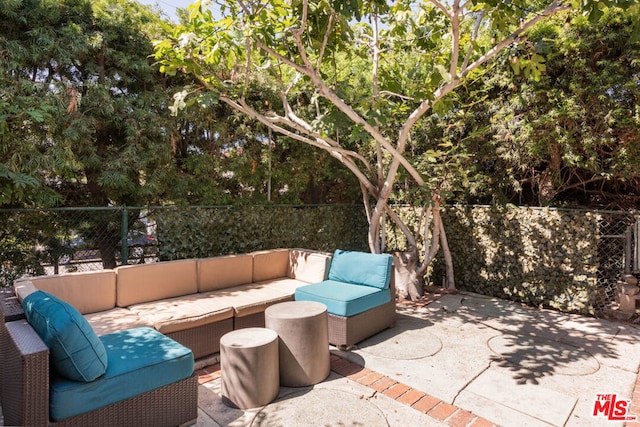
[310, 267]
[224, 271]
[150, 282]
[23, 288]
[270, 264]
[89, 292]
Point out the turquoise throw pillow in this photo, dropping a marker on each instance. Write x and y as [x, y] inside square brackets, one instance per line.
[76, 352]
[361, 268]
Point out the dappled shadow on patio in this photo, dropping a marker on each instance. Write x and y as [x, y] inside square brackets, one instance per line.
[476, 355]
[532, 343]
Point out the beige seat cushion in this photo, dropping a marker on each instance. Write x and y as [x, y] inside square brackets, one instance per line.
[256, 297]
[114, 320]
[284, 285]
[151, 282]
[189, 311]
[224, 272]
[89, 292]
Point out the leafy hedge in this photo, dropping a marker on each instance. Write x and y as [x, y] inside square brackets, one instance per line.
[541, 257]
[203, 232]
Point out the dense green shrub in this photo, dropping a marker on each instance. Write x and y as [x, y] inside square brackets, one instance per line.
[538, 256]
[556, 258]
[541, 257]
[202, 232]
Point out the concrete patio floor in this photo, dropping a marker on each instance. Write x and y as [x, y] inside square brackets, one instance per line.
[462, 360]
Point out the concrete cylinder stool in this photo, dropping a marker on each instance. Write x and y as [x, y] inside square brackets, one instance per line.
[249, 367]
[304, 341]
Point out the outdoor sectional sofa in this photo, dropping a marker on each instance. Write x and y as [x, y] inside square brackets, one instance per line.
[192, 303]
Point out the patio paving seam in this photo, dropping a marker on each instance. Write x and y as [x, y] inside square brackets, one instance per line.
[450, 415]
[443, 412]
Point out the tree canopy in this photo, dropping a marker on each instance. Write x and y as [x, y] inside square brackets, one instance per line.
[355, 78]
[83, 120]
[573, 136]
[420, 102]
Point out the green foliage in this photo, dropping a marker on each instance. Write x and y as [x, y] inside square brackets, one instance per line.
[85, 120]
[82, 115]
[352, 77]
[20, 248]
[540, 257]
[531, 68]
[569, 137]
[204, 232]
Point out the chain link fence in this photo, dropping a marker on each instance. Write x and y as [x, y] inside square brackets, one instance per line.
[54, 241]
[617, 253]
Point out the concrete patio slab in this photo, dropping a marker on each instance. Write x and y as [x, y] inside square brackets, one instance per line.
[442, 374]
[508, 363]
[461, 360]
[497, 392]
[337, 401]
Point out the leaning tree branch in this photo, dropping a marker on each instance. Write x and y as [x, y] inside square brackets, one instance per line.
[325, 40]
[310, 71]
[411, 240]
[443, 90]
[343, 155]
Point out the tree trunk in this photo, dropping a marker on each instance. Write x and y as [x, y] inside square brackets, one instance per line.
[450, 283]
[107, 251]
[407, 281]
[409, 270]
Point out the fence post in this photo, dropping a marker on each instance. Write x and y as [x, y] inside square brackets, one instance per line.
[123, 237]
[628, 243]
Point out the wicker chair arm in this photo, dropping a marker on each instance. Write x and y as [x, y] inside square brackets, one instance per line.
[25, 381]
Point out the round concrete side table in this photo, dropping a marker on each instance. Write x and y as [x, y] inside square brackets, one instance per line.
[304, 341]
[249, 367]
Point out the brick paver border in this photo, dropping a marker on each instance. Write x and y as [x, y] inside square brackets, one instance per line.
[448, 414]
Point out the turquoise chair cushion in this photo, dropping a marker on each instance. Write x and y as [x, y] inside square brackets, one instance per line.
[360, 268]
[76, 352]
[343, 299]
[140, 360]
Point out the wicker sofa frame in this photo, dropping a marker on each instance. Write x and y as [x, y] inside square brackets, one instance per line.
[345, 332]
[25, 390]
[25, 373]
[24, 366]
[203, 340]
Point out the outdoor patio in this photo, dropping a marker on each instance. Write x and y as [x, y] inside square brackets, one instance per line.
[460, 360]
